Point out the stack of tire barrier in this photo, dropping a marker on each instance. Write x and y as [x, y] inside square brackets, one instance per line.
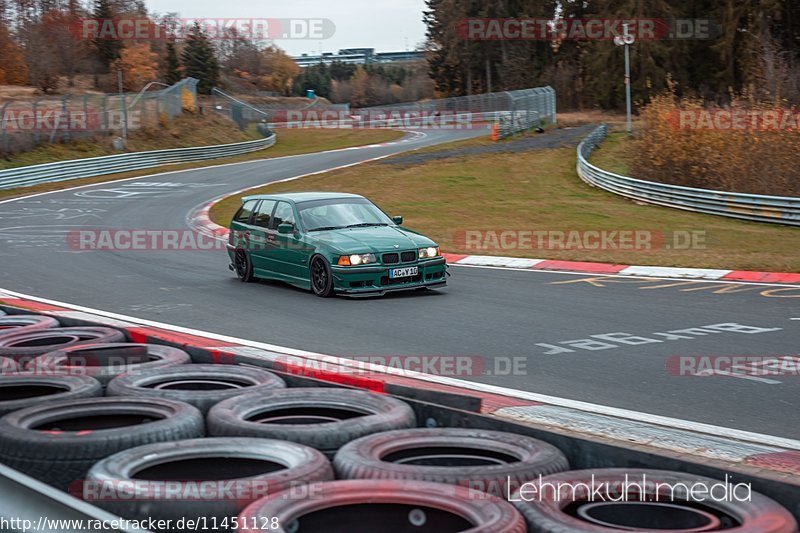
[142, 431]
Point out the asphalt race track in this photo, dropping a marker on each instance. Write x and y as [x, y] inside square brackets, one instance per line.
[557, 328]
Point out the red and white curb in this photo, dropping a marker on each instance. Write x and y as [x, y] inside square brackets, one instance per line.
[621, 270]
[622, 427]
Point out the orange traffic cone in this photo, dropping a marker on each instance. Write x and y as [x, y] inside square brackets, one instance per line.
[495, 132]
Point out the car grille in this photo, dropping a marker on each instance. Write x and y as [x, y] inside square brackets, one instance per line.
[393, 258]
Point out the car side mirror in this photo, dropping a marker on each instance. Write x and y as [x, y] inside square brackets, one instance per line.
[285, 229]
[397, 220]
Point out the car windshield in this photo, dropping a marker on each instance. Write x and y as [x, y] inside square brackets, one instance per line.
[341, 213]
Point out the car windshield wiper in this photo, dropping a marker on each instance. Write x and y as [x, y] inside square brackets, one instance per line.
[325, 228]
[366, 224]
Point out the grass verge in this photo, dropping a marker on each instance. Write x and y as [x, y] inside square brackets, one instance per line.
[290, 142]
[613, 154]
[539, 190]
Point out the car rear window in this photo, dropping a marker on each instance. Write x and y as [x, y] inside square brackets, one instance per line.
[244, 212]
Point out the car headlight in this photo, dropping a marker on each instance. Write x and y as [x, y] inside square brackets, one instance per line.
[356, 259]
[430, 251]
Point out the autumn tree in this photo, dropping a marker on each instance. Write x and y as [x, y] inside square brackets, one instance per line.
[70, 53]
[361, 95]
[241, 60]
[41, 57]
[13, 69]
[139, 65]
[279, 70]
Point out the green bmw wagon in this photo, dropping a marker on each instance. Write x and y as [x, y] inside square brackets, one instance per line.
[331, 243]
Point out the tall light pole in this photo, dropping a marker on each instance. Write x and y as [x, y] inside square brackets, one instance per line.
[122, 105]
[626, 39]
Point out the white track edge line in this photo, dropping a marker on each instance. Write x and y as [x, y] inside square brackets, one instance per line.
[628, 276]
[675, 423]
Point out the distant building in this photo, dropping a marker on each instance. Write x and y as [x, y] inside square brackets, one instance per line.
[357, 56]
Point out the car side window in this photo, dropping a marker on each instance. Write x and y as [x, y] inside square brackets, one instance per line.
[264, 213]
[244, 212]
[284, 214]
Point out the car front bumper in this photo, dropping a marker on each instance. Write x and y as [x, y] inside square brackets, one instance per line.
[374, 279]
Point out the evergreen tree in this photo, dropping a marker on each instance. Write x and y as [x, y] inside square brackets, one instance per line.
[653, 61]
[316, 77]
[200, 61]
[461, 64]
[108, 50]
[172, 65]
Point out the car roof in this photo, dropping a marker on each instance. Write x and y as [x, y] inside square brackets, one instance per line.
[296, 197]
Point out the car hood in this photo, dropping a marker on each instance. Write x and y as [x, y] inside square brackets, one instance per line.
[374, 239]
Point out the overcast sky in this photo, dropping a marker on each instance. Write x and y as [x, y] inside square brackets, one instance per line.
[381, 24]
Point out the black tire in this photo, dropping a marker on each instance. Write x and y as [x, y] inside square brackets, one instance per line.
[8, 365]
[243, 266]
[546, 513]
[323, 418]
[58, 443]
[13, 324]
[320, 277]
[199, 385]
[106, 361]
[234, 472]
[367, 506]
[482, 460]
[22, 390]
[24, 346]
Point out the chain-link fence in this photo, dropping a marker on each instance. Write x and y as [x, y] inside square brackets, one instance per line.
[245, 112]
[513, 111]
[27, 124]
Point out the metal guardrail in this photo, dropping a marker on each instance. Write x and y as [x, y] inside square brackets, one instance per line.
[98, 166]
[753, 207]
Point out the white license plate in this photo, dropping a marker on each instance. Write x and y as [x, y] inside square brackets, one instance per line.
[403, 272]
